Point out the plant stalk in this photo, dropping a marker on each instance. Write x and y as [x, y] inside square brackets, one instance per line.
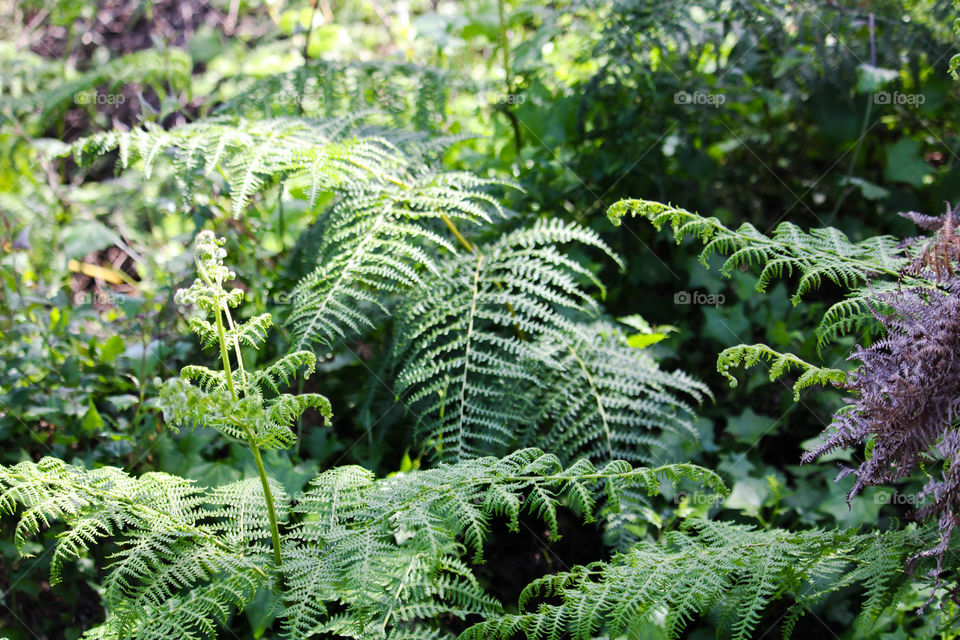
[257, 458]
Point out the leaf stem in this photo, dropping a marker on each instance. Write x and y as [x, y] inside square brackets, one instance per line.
[254, 448]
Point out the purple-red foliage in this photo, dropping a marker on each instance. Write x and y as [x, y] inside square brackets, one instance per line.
[907, 390]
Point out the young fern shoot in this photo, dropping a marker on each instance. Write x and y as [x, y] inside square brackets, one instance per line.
[257, 425]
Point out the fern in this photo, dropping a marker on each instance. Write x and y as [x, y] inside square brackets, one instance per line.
[463, 348]
[156, 69]
[404, 93]
[821, 254]
[231, 401]
[493, 352]
[376, 242]
[604, 399]
[388, 550]
[732, 571]
[780, 365]
[170, 545]
[906, 394]
[352, 556]
[377, 237]
[316, 155]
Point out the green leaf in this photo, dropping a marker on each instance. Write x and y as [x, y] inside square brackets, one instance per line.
[112, 348]
[748, 495]
[91, 419]
[647, 334]
[904, 163]
[868, 190]
[870, 78]
[640, 340]
[749, 427]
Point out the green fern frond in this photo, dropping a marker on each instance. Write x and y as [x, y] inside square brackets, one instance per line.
[377, 242]
[231, 401]
[780, 365]
[240, 510]
[247, 419]
[404, 93]
[385, 554]
[853, 313]
[463, 346]
[168, 543]
[490, 356]
[287, 408]
[317, 155]
[817, 255]
[389, 550]
[281, 372]
[605, 400]
[732, 571]
[159, 70]
[205, 378]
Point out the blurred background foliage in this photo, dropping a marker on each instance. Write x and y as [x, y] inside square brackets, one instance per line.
[820, 113]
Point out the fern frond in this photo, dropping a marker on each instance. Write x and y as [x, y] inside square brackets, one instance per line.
[319, 155]
[385, 554]
[197, 614]
[205, 378]
[248, 419]
[377, 242]
[704, 567]
[404, 93]
[605, 400]
[231, 401]
[287, 408]
[490, 356]
[853, 313]
[389, 550]
[463, 346]
[780, 365]
[174, 574]
[283, 370]
[817, 255]
[251, 333]
[240, 510]
[148, 68]
[53, 490]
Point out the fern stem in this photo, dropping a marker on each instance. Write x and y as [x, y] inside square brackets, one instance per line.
[396, 596]
[596, 395]
[224, 354]
[236, 348]
[472, 249]
[453, 229]
[466, 353]
[271, 508]
[257, 458]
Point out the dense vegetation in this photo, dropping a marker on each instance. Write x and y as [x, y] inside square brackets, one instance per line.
[363, 320]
